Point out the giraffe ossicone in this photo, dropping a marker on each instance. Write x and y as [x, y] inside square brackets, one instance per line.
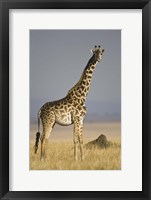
[69, 110]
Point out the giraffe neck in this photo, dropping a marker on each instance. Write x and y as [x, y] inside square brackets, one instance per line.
[81, 89]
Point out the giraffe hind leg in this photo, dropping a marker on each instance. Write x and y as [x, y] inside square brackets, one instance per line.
[47, 128]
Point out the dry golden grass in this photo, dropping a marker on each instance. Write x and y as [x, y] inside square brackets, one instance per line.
[60, 157]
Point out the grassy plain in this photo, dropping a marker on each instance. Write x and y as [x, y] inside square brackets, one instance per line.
[60, 149]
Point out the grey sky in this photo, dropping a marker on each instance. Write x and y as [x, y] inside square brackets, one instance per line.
[57, 59]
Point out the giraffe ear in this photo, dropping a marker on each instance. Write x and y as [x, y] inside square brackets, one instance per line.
[92, 50]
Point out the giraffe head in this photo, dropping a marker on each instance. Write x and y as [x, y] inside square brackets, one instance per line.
[97, 53]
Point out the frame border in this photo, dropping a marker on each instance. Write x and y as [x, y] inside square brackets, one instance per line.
[5, 5]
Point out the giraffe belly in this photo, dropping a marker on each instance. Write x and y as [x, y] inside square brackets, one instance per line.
[64, 120]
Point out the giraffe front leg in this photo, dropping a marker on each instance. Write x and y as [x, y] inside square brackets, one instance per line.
[78, 137]
[75, 146]
[81, 142]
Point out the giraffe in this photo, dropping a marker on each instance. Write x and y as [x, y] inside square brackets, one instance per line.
[69, 110]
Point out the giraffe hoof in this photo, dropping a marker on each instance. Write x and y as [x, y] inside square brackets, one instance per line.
[42, 159]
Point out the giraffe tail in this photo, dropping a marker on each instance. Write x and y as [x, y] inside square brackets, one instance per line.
[38, 133]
